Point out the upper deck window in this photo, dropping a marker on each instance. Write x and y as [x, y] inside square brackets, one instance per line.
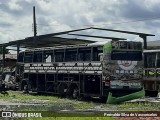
[38, 56]
[21, 57]
[48, 56]
[84, 54]
[151, 60]
[28, 58]
[71, 54]
[96, 52]
[158, 60]
[59, 55]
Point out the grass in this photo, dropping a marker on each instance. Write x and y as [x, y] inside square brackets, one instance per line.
[13, 94]
[19, 97]
[83, 105]
[54, 103]
[140, 106]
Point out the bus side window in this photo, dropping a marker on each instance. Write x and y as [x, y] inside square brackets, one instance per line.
[84, 54]
[151, 59]
[20, 57]
[158, 60]
[96, 52]
[37, 56]
[28, 57]
[71, 54]
[48, 56]
[59, 55]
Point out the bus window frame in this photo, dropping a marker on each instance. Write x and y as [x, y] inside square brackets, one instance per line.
[31, 52]
[19, 55]
[52, 55]
[70, 50]
[61, 50]
[35, 61]
[99, 50]
[158, 55]
[84, 54]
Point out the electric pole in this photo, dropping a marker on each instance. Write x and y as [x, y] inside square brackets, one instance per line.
[34, 27]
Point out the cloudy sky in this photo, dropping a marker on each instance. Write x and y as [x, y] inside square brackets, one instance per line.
[60, 15]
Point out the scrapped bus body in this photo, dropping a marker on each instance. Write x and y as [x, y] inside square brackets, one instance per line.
[151, 78]
[97, 70]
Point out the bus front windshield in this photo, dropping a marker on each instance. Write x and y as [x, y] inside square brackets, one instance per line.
[126, 55]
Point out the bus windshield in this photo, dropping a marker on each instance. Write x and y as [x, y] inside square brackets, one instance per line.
[126, 55]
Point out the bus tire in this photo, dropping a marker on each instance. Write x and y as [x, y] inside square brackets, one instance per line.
[73, 92]
[62, 89]
[24, 86]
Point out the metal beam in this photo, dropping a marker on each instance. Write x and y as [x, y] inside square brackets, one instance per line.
[11, 49]
[51, 39]
[18, 47]
[122, 31]
[61, 33]
[142, 35]
[113, 38]
[144, 40]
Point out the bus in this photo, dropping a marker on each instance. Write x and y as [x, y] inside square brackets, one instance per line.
[94, 70]
[151, 76]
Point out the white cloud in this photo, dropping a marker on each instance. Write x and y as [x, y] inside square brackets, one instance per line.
[13, 5]
[60, 15]
[150, 4]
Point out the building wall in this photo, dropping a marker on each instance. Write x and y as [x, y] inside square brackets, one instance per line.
[11, 56]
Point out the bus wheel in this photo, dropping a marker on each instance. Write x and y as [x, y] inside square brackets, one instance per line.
[62, 89]
[24, 86]
[103, 99]
[73, 92]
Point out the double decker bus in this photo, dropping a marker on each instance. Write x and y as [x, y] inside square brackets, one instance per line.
[83, 70]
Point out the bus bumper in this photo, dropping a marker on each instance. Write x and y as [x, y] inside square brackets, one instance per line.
[114, 100]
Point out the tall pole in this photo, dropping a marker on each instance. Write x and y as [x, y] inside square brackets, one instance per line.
[3, 52]
[34, 27]
[144, 37]
[18, 46]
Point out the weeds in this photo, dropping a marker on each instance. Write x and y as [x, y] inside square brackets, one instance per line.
[140, 106]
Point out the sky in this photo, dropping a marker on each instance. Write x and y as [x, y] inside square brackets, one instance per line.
[16, 17]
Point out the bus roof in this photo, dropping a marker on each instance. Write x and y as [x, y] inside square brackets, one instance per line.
[96, 44]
